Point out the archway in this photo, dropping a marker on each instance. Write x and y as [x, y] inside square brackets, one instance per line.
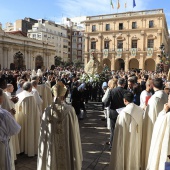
[133, 64]
[39, 62]
[119, 64]
[150, 65]
[12, 66]
[107, 63]
[19, 61]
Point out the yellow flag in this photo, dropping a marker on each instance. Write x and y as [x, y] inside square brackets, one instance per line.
[118, 4]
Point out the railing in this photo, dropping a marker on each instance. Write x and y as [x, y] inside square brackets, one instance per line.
[127, 14]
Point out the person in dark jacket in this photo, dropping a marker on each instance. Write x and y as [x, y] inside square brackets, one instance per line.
[115, 101]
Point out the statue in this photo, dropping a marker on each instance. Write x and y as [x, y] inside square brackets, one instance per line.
[93, 66]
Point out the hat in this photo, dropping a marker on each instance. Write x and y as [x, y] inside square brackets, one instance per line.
[59, 89]
[39, 73]
[33, 73]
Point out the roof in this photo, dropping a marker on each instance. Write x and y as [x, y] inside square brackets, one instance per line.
[20, 33]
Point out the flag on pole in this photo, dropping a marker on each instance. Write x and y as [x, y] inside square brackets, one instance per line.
[111, 3]
[125, 4]
[118, 4]
[134, 3]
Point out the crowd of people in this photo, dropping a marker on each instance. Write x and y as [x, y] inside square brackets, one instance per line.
[35, 118]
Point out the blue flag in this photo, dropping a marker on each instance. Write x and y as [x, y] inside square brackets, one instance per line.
[134, 3]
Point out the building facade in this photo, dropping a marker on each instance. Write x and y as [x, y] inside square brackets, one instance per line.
[75, 29]
[78, 45]
[19, 52]
[49, 32]
[127, 40]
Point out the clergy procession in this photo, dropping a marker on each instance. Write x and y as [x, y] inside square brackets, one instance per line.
[37, 120]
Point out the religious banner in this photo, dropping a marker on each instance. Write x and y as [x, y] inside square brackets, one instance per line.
[119, 52]
[150, 52]
[133, 52]
[105, 53]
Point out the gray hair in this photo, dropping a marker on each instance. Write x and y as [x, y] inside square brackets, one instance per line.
[26, 86]
[34, 83]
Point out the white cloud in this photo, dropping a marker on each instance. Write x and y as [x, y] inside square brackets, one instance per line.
[73, 8]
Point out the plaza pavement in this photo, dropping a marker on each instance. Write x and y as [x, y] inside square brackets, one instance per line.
[94, 135]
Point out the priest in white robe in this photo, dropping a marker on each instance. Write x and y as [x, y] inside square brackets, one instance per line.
[59, 143]
[160, 143]
[155, 106]
[126, 147]
[37, 95]
[8, 128]
[28, 116]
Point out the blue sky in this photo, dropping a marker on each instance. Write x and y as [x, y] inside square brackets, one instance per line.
[54, 9]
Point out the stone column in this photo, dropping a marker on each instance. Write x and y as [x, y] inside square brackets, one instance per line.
[126, 62]
[141, 62]
[100, 42]
[113, 62]
[1, 56]
[86, 43]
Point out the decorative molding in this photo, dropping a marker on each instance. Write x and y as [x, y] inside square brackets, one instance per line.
[94, 39]
[107, 39]
[150, 36]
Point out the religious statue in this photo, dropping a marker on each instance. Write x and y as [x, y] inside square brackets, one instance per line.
[93, 66]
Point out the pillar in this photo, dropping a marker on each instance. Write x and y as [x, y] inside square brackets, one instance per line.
[141, 62]
[100, 42]
[113, 62]
[126, 62]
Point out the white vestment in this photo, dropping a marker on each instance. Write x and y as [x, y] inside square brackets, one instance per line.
[127, 139]
[19, 91]
[8, 128]
[28, 116]
[155, 106]
[14, 143]
[37, 99]
[107, 108]
[160, 144]
[59, 143]
[45, 92]
[143, 96]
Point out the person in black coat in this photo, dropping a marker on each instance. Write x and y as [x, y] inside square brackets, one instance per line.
[115, 101]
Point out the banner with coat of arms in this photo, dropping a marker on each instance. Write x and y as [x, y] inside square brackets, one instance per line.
[119, 52]
[105, 52]
[150, 52]
[133, 52]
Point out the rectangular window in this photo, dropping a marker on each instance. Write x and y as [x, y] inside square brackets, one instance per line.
[80, 40]
[134, 44]
[106, 45]
[79, 46]
[79, 53]
[151, 43]
[93, 45]
[120, 26]
[151, 24]
[120, 44]
[74, 40]
[134, 25]
[107, 27]
[34, 35]
[93, 28]
[39, 35]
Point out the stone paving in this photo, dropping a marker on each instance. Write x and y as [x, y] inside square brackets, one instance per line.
[94, 135]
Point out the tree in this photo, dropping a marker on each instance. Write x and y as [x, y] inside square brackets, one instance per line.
[58, 61]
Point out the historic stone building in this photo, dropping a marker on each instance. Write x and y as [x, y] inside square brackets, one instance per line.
[19, 52]
[127, 40]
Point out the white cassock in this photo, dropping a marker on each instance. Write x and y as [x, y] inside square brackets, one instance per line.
[37, 99]
[143, 96]
[14, 143]
[19, 91]
[28, 116]
[8, 128]
[155, 106]
[160, 144]
[45, 92]
[107, 108]
[8, 105]
[59, 143]
[127, 139]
